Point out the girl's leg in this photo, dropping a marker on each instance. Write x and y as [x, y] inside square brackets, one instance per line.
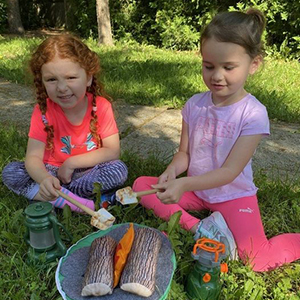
[188, 201]
[16, 178]
[244, 220]
[110, 175]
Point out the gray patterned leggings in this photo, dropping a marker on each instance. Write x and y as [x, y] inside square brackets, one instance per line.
[110, 175]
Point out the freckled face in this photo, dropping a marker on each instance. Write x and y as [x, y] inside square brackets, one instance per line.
[65, 82]
[225, 68]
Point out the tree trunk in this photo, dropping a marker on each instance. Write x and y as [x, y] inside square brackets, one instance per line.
[99, 274]
[103, 20]
[138, 276]
[14, 17]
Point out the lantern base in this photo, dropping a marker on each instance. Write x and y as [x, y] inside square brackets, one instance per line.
[37, 257]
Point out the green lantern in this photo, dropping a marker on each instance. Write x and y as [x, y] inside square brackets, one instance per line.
[42, 234]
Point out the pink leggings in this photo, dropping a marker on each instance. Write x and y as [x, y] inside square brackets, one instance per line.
[243, 219]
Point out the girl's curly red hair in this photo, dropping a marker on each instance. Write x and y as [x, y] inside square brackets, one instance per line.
[66, 46]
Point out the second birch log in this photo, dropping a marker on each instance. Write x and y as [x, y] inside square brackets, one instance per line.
[138, 276]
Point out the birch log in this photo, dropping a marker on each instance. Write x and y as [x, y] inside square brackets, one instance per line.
[99, 276]
[138, 276]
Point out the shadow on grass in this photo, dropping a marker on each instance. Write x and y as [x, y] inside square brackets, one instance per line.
[276, 103]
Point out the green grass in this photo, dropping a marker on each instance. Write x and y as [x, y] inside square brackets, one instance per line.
[149, 76]
[279, 203]
[145, 75]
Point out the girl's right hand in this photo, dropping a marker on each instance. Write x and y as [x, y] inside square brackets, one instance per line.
[167, 175]
[49, 187]
[172, 190]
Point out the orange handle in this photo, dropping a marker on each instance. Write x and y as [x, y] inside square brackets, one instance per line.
[224, 268]
[209, 246]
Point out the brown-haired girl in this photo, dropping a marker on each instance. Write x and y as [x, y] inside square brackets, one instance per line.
[221, 129]
[73, 137]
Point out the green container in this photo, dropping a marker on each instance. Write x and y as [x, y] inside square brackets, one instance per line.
[42, 234]
[197, 286]
[203, 282]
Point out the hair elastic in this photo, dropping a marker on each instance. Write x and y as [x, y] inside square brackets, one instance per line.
[45, 121]
[94, 108]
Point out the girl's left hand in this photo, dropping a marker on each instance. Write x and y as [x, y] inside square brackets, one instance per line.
[65, 173]
[173, 191]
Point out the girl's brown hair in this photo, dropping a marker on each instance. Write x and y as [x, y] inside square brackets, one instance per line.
[66, 46]
[244, 29]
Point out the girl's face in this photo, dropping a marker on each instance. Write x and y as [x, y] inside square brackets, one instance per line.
[225, 68]
[66, 83]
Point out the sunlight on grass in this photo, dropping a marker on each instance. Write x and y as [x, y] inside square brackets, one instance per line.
[149, 76]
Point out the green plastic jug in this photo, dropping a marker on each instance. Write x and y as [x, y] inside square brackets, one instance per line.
[203, 283]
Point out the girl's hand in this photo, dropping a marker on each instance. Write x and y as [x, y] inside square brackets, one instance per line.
[48, 188]
[65, 173]
[173, 190]
[167, 175]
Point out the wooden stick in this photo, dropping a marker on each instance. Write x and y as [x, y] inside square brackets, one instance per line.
[75, 202]
[148, 192]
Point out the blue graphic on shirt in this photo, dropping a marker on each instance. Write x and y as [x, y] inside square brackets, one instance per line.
[66, 140]
[89, 143]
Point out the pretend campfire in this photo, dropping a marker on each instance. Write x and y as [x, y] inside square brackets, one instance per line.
[126, 261]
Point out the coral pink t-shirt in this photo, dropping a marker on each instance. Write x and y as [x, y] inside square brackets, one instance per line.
[213, 132]
[69, 139]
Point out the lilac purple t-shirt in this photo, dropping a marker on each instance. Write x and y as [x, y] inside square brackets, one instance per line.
[213, 132]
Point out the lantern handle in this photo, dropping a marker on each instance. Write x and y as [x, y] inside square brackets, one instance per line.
[54, 220]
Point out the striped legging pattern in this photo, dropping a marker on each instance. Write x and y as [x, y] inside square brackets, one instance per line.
[110, 175]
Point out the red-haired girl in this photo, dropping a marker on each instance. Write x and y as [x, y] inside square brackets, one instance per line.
[73, 137]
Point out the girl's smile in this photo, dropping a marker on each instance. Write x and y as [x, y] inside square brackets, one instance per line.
[225, 68]
[65, 97]
[218, 86]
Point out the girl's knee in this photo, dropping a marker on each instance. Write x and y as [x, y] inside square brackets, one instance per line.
[138, 181]
[10, 171]
[143, 183]
[120, 172]
[123, 171]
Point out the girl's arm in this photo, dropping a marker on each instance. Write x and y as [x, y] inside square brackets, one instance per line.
[36, 169]
[180, 161]
[236, 161]
[110, 150]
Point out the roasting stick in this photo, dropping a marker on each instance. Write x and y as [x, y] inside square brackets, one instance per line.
[78, 204]
[101, 219]
[148, 192]
[128, 196]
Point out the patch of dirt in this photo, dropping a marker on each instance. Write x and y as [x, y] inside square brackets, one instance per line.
[279, 153]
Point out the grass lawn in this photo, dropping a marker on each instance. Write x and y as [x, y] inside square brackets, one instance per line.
[145, 75]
